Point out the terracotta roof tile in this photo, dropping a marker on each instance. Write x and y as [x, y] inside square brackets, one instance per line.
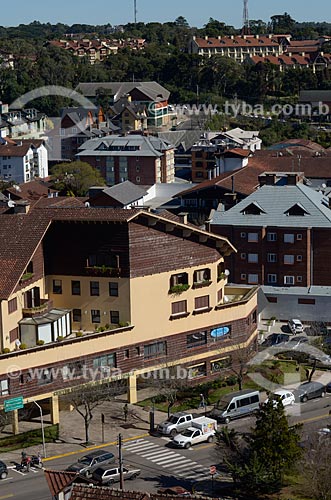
[237, 41]
[57, 480]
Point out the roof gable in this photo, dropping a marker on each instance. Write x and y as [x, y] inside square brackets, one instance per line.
[296, 210]
[253, 209]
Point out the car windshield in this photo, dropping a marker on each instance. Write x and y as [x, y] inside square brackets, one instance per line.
[85, 460]
[187, 433]
[276, 397]
[222, 404]
[173, 419]
[99, 472]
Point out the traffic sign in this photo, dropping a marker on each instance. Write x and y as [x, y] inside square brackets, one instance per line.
[212, 469]
[13, 404]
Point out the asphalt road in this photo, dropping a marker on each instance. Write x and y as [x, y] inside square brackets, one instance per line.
[160, 464]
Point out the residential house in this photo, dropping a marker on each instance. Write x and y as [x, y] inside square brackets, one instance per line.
[150, 95]
[138, 158]
[282, 233]
[128, 116]
[23, 160]
[22, 124]
[124, 195]
[143, 288]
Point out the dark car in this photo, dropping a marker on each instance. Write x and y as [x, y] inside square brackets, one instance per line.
[275, 339]
[88, 463]
[309, 390]
[3, 470]
[328, 387]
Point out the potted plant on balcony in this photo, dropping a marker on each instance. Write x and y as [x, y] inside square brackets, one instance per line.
[178, 289]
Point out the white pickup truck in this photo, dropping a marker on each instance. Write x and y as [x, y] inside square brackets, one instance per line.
[201, 429]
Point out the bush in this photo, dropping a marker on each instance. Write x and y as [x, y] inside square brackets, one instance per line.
[232, 380]
[79, 334]
[40, 342]
[23, 346]
[5, 350]
[122, 324]
[60, 337]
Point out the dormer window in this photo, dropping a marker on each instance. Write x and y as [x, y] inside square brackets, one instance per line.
[297, 210]
[253, 209]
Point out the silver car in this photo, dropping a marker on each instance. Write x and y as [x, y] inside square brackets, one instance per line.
[108, 475]
[88, 463]
[295, 326]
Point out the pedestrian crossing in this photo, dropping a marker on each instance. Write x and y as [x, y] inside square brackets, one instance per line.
[14, 468]
[174, 462]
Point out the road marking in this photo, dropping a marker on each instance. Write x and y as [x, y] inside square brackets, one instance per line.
[179, 461]
[160, 457]
[172, 460]
[139, 447]
[153, 454]
[91, 448]
[189, 464]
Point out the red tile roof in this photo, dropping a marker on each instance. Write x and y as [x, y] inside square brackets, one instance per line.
[31, 191]
[237, 41]
[57, 480]
[245, 153]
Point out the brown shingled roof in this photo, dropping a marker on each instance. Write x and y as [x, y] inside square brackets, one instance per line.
[237, 41]
[57, 480]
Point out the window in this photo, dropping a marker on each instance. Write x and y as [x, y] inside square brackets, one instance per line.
[178, 279]
[219, 296]
[243, 277]
[72, 370]
[94, 288]
[220, 364]
[95, 315]
[253, 237]
[12, 305]
[137, 179]
[201, 276]
[253, 258]
[114, 317]
[272, 300]
[253, 278]
[4, 387]
[155, 350]
[243, 256]
[272, 257]
[299, 258]
[196, 339]
[113, 289]
[306, 301]
[13, 334]
[126, 353]
[288, 238]
[272, 278]
[242, 235]
[197, 371]
[288, 280]
[299, 279]
[77, 315]
[289, 259]
[271, 236]
[299, 236]
[179, 307]
[139, 351]
[109, 360]
[75, 287]
[57, 286]
[201, 302]
[45, 377]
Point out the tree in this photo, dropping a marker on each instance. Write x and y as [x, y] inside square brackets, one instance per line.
[316, 470]
[282, 24]
[271, 449]
[181, 22]
[87, 398]
[74, 179]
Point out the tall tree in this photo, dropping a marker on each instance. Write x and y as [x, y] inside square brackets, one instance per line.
[75, 179]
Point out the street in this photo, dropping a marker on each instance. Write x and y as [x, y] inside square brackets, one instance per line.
[160, 464]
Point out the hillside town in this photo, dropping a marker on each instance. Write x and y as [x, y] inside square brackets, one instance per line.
[165, 220]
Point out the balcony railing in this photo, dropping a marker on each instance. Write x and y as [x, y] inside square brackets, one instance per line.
[45, 306]
[103, 271]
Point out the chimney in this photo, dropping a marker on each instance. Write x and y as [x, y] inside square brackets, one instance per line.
[262, 180]
[206, 37]
[257, 37]
[292, 179]
[270, 179]
[183, 217]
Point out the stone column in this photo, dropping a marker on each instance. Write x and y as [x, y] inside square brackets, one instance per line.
[132, 389]
[55, 415]
[14, 414]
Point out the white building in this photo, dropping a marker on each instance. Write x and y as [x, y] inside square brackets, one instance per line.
[22, 161]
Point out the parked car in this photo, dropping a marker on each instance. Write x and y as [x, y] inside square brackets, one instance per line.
[106, 475]
[275, 339]
[295, 342]
[88, 463]
[295, 326]
[309, 390]
[328, 387]
[286, 397]
[3, 470]
[175, 423]
[236, 405]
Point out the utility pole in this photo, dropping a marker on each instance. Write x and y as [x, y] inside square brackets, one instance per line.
[120, 460]
[246, 30]
[135, 11]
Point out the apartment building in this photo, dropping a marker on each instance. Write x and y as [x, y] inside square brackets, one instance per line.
[237, 47]
[282, 233]
[144, 289]
[138, 158]
[23, 160]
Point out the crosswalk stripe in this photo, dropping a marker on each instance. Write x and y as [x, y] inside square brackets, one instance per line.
[192, 475]
[148, 449]
[151, 453]
[139, 447]
[186, 465]
[157, 459]
[180, 461]
[171, 459]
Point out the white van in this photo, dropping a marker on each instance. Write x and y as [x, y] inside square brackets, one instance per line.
[236, 405]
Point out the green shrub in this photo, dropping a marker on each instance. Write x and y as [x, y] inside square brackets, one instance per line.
[60, 337]
[79, 334]
[232, 380]
[40, 342]
[23, 346]
[5, 350]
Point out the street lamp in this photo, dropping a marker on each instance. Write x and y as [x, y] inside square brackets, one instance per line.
[42, 426]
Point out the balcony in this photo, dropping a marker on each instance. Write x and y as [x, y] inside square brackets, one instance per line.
[44, 307]
[103, 271]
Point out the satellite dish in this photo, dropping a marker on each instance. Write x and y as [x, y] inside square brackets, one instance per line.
[227, 272]
[323, 185]
[87, 204]
[11, 203]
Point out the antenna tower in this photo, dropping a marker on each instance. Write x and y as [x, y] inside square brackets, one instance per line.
[246, 29]
[135, 11]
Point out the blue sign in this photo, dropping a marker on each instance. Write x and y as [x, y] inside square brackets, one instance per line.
[13, 404]
[220, 332]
